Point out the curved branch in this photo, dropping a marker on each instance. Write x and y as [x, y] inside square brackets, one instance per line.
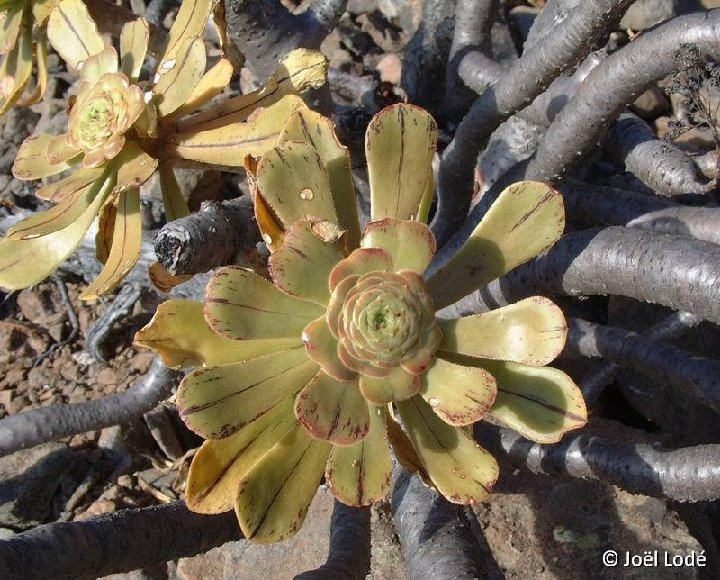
[264, 30]
[209, 238]
[686, 474]
[697, 377]
[349, 557]
[114, 543]
[553, 13]
[660, 165]
[671, 327]
[681, 273]
[615, 84]
[30, 428]
[611, 206]
[527, 78]
[436, 538]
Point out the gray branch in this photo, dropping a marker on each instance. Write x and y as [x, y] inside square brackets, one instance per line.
[616, 83]
[30, 428]
[265, 31]
[681, 273]
[695, 376]
[114, 543]
[209, 238]
[688, 474]
[553, 13]
[660, 165]
[570, 42]
[349, 557]
[615, 207]
[436, 538]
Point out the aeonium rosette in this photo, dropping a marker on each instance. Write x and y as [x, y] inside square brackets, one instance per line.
[318, 371]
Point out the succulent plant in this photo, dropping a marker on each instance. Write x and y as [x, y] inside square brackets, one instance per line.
[23, 42]
[123, 129]
[312, 374]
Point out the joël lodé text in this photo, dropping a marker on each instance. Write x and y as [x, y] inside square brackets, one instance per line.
[656, 558]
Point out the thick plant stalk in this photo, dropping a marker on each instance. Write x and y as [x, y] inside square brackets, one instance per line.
[208, 239]
[264, 30]
[681, 273]
[673, 326]
[688, 474]
[349, 557]
[695, 376]
[615, 207]
[479, 71]
[114, 543]
[436, 538]
[660, 165]
[473, 22]
[121, 307]
[552, 14]
[570, 42]
[615, 84]
[30, 428]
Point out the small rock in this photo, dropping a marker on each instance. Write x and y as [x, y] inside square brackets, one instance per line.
[644, 14]
[106, 377]
[652, 103]
[141, 361]
[31, 305]
[390, 68]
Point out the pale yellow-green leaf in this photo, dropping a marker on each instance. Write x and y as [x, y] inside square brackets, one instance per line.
[299, 71]
[399, 146]
[361, 261]
[230, 144]
[27, 262]
[135, 167]
[302, 265]
[58, 191]
[11, 19]
[106, 228]
[60, 215]
[189, 22]
[134, 40]
[60, 151]
[94, 67]
[167, 334]
[41, 10]
[177, 82]
[32, 161]
[16, 69]
[211, 84]
[292, 179]
[241, 304]
[218, 401]
[311, 127]
[360, 474]
[274, 496]
[125, 248]
[73, 33]
[461, 470]
[460, 395]
[333, 410]
[163, 280]
[527, 218]
[220, 464]
[411, 244]
[397, 386]
[540, 403]
[321, 346]
[531, 332]
[173, 201]
[404, 451]
[41, 59]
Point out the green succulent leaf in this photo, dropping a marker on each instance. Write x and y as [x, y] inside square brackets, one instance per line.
[71, 186]
[167, 335]
[319, 132]
[240, 304]
[530, 332]
[17, 67]
[135, 167]
[460, 395]
[360, 474]
[218, 401]
[302, 265]
[527, 218]
[179, 80]
[399, 145]
[361, 261]
[461, 470]
[189, 22]
[220, 464]
[322, 347]
[27, 262]
[125, 248]
[211, 84]
[73, 33]
[274, 496]
[32, 161]
[134, 39]
[333, 410]
[173, 201]
[10, 25]
[396, 386]
[411, 245]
